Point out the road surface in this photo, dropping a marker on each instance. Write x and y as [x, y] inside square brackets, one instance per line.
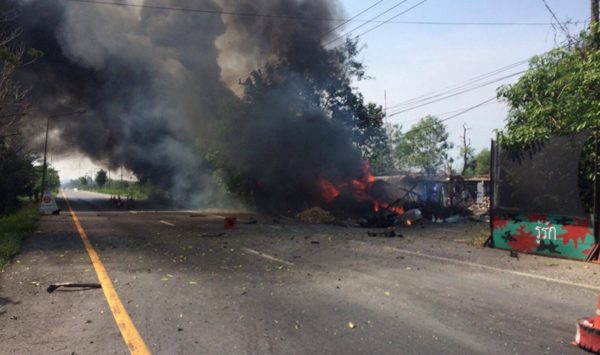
[282, 287]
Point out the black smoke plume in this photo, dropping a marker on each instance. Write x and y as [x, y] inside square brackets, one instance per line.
[164, 97]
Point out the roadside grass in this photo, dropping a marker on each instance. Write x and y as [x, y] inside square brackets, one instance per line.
[12, 229]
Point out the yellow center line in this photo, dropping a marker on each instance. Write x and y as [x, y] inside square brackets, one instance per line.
[130, 334]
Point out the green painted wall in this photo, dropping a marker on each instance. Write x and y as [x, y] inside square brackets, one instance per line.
[546, 234]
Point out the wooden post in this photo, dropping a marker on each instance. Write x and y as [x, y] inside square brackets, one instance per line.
[594, 22]
[595, 202]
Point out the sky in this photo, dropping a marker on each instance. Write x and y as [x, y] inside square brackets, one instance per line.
[405, 61]
[409, 60]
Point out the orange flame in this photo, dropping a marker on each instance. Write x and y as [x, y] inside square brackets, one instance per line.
[397, 210]
[408, 222]
[359, 188]
[367, 175]
[330, 192]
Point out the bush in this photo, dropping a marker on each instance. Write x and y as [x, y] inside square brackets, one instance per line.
[12, 230]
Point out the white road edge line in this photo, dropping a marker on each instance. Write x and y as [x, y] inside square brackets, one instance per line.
[167, 223]
[134, 212]
[486, 267]
[266, 256]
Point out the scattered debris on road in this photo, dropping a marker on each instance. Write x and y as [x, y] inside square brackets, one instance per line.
[54, 287]
[514, 254]
[316, 215]
[386, 233]
[213, 235]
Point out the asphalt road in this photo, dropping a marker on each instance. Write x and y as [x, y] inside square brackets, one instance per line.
[283, 287]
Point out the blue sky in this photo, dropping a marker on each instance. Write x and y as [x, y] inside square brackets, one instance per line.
[411, 60]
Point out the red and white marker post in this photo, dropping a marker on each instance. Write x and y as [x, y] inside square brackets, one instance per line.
[588, 332]
[48, 205]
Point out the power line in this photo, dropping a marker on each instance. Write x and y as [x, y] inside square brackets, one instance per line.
[448, 112]
[460, 109]
[368, 21]
[213, 12]
[562, 27]
[457, 86]
[204, 11]
[459, 23]
[398, 15]
[468, 109]
[457, 115]
[455, 94]
[352, 18]
[305, 18]
[456, 89]
[14, 115]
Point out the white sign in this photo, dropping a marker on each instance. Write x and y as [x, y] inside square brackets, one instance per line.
[48, 205]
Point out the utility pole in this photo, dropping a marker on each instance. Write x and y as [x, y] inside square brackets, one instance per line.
[466, 146]
[385, 106]
[594, 21]
[43, 190]
[594, 17]
[45, 165]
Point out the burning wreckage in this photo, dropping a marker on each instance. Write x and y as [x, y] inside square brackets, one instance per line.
[366, 201]
[401, 200]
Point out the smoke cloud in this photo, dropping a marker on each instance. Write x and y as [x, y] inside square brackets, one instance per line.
[162, 91]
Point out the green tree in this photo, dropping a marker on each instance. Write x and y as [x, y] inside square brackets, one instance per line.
[52, 179]
[483, 161]
[101, 178]
[372, 138]
[17, 176]
[425, 146]
[558, 94]
[83, 181]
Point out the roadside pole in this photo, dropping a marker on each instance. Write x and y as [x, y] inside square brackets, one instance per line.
[43, 187]
[45, 165]
[594, 22]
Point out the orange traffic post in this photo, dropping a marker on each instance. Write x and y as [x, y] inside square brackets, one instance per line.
[588, 332]
[597, 319]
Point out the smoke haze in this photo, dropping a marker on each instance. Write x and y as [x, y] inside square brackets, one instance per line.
[162, 90]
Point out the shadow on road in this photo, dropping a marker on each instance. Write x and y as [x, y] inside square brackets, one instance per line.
[94, 203]
[4, 302]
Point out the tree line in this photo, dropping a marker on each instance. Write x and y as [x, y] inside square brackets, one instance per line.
[19, 177]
